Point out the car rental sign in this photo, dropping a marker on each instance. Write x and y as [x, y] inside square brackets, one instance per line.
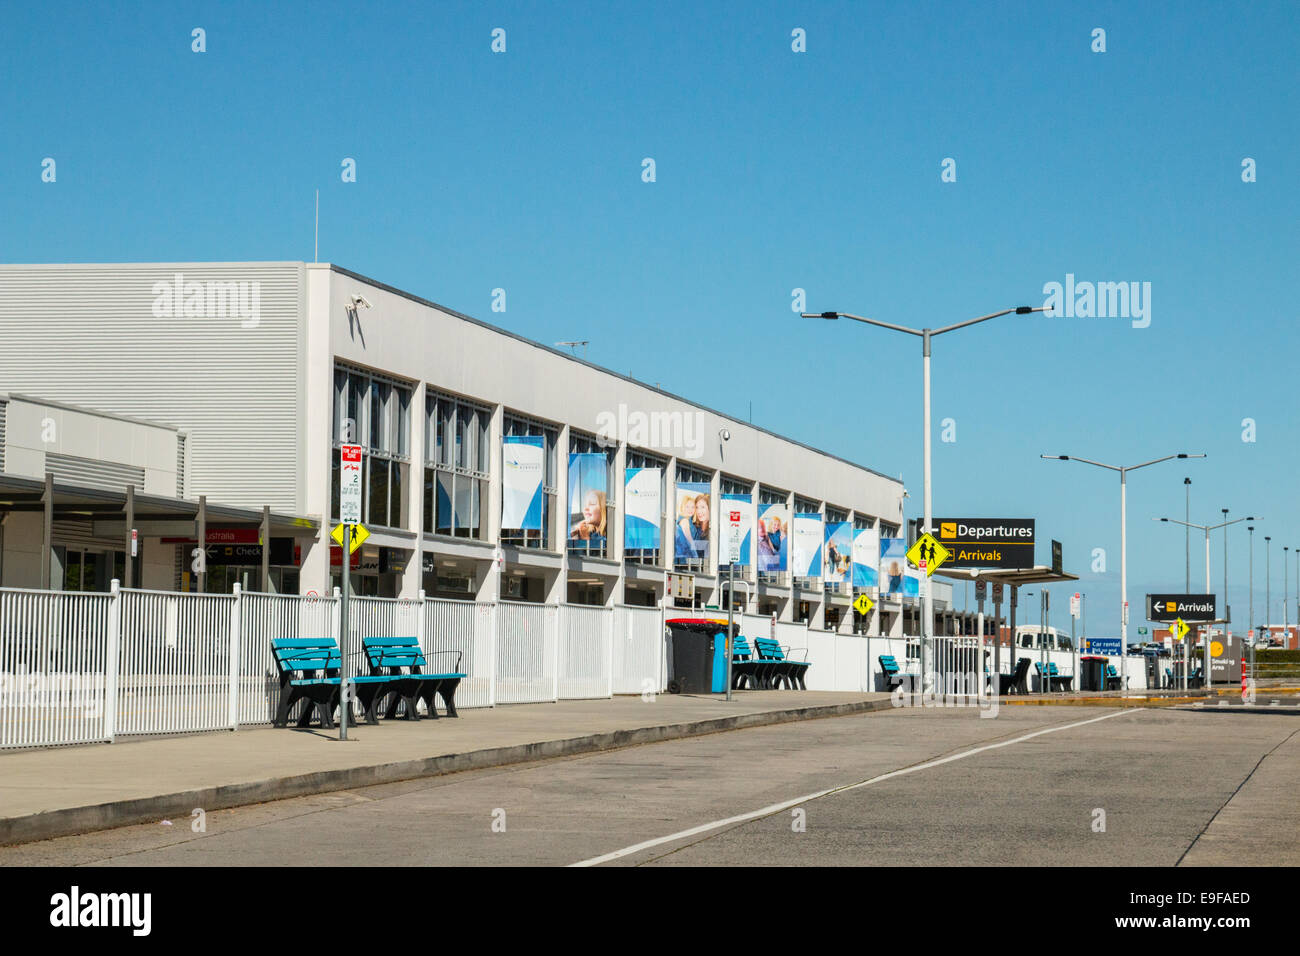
[1006, 543]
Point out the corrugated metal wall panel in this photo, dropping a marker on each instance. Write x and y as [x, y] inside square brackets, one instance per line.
[89, 335]
[92, 473]
[4, 407]
[180, 466]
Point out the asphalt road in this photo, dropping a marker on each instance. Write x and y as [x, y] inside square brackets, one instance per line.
[1032, 786]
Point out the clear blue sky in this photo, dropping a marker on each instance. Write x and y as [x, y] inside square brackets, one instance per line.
[775, 170]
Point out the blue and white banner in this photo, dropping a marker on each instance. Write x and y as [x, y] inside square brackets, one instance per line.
[773, 537]
[912, 581]
[694, 521]
[466, 503]
[744, 506]
[521, 481]
[807, 548]
[642, 493]
[866, 557]
[838, 559]
[893, 559]
[588, 481]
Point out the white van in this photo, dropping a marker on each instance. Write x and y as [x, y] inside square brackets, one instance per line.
[1034, 637]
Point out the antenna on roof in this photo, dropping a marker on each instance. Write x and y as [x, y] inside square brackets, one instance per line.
[573, 347]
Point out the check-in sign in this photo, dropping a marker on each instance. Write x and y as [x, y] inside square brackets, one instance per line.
[350, 484]
[1006, 543]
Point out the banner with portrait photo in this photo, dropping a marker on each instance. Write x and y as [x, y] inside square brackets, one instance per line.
[772, 538]
[693, 521]
[588, 511]
[521, 483]
[807, 548]
[837, 559]
[893, 563]
[742, 505]
[641, 496]
[866, 557]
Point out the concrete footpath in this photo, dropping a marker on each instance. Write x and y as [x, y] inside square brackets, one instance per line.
[67, 790]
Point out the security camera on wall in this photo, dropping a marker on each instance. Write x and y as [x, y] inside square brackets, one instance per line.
[361, 302]
[724, 434]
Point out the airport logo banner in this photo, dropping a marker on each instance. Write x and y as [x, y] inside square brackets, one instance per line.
[521, 480]
[1006, 543]
[1189, 607]
[808, 545]
[588, 479]
[694, 521]
[744, 505]
[773, 537]
[866, 557]
[837, 561]
[641, 502]
[893, 561]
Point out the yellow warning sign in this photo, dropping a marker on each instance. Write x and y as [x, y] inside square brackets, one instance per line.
[863, 605]
[928, 554]
[1180, 629]
[359, 534]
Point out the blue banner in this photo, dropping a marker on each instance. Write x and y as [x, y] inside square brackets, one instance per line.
[521, 483]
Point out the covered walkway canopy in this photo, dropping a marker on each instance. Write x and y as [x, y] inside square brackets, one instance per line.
[115, 513]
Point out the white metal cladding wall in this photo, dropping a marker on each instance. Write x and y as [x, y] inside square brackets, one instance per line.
[54, 668]
[526, 652]
[88, 334]
[381, 617]
[584, 651]
[267, 617]
[638, 649]
[460, 634]
[174, 670]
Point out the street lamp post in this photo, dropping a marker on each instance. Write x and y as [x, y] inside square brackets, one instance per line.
[1251, 635]
[1268, 585]
[927, 604]
[1225, 523]
[1187, 535]
[1123, 542]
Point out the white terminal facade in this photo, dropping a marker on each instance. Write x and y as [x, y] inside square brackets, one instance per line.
[237, 382]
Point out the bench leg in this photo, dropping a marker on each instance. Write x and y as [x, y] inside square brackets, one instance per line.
[447, 691]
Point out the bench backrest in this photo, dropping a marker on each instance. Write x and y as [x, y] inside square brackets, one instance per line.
[1110, 671]
[1022, 668]
[768, 649]
[297, 655]
[395, 652]
[740, 649]
[888, 664]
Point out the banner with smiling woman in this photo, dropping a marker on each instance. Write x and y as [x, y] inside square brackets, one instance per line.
[772, 537]
[521, 483]
[694, 521]
[588, 481]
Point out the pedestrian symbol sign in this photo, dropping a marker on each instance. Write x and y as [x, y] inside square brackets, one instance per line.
[359, 535]
[1180, 629]
[863, 605]
[928, 554]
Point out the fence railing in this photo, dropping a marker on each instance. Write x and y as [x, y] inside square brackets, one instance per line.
[80, 668]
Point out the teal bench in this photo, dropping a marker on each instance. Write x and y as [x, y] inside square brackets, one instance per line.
[1113, 680]
[309, 670]
[894, 675]
[1055, 679]
[410, 679]
[778, 667]
[744, 665]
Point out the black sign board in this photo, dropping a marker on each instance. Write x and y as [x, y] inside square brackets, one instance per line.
[1189, 607]
[1006, 543]
[1057, 563]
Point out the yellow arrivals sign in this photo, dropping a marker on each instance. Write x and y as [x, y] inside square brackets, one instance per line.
[928, 554]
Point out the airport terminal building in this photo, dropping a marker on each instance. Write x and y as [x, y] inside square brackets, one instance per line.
[146, 407]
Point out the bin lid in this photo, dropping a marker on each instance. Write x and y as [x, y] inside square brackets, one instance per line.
[698, 625]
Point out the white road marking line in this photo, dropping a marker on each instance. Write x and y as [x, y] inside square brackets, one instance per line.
[789, 804]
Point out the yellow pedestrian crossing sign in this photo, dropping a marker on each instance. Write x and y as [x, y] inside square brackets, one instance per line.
[863, 605]
[928, 554]
[359, 535]
[1180, 629]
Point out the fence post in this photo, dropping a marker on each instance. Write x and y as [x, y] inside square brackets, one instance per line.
[110, 659]
[492, 656]
[555, 671]
[419, 634]
[609, 656]
[236, 622]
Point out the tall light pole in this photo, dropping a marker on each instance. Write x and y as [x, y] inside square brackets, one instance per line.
[1187, 535]
[927, 608]
[1251, 635]
[1286, 594]
[1268, 584]
[1207, 528]
[1123, 542]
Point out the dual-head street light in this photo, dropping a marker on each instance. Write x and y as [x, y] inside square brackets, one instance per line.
[1123, 541]
[927, 611]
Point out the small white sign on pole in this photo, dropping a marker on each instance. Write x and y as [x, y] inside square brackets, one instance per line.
[135, 542]
[733, 537]
[1074, 605]
[350, 484]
